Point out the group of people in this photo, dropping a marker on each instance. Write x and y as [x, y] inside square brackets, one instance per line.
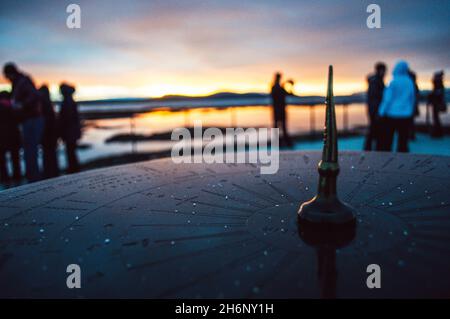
[392, 109]
[28, 120]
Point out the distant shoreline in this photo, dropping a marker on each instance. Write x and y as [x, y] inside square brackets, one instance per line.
[126, 107]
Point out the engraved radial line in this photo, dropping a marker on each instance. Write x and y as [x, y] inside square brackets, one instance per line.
[420, 209]
[234, 263]
[191, 225]
[194, 253]
[427, 261]
[184, 200]
[8, 206]
[261, 196]
[408, 200]
[378, 195]
[225, 207]
[422, 163]
[284, 195]
[425, 218]
[227, 216]
[438, 227]
[211, 170]
[420, 273]
[286, 260]
[431, 245]
[433, 236]
[193, 174]
[361, 160]
[106, 205]
[386, 164]
[224, 234]
[358, 187]
[234, 198]
[147, 168]
[41, 205]
[80, 201]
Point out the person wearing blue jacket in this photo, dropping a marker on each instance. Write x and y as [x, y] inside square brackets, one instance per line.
[396, 109]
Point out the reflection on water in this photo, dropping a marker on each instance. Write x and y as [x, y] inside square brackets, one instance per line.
[301, 119]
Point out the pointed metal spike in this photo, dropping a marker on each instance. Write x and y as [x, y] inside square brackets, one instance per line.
[325, 207]
[330, 152]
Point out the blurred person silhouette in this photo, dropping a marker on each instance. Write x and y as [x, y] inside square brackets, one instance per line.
[412, 128]
[436, 99]
[26, 104]
[50, 136]
[70, 127]
[374, 97]
[10, 139]
[278, 94]
[396, 109]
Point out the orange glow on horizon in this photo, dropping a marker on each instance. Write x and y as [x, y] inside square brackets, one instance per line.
[144, 87]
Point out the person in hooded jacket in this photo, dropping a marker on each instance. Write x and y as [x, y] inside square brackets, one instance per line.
[396, 109]
[70, 127]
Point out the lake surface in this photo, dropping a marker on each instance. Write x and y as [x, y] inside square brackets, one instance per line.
[301, 119]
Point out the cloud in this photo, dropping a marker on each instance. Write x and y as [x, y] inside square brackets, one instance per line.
[142, 42]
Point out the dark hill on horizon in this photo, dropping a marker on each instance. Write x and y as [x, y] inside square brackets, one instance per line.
[233, 99]
[215, 96]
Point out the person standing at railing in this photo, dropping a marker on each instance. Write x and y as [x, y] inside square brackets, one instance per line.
[278, 94]
[412, 129]
[437, 101]
[396, 110]
[70, 126]
[374, 97]
[27, 106]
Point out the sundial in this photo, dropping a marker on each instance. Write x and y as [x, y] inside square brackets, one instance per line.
[162, 230]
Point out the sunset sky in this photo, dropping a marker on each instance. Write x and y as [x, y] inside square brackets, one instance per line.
[153, 48]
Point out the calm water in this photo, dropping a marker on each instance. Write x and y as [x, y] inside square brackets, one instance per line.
[300, 120]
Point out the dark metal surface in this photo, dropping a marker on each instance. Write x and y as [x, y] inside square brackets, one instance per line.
[157, 229]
